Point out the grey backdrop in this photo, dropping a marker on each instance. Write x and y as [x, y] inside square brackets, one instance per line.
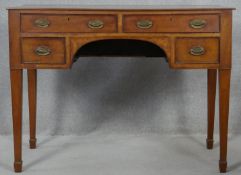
[120, 95]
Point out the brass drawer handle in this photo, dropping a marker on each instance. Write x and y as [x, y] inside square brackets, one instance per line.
[198, 23]
[43, 51]
[96, 24]
[42, 23]
[144, 24]
[197, 51]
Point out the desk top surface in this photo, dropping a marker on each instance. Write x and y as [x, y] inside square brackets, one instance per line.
[120, 7]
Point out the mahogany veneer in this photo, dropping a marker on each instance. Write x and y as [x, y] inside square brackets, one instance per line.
[49, 37]
[170, 23]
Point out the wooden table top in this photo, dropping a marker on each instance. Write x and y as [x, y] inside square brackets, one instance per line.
[121, 7]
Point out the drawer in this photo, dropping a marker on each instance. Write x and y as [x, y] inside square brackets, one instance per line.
[43, 50]
[68, 23]
[171, 23]
[197, 50]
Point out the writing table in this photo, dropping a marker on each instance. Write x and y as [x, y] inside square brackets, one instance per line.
[48, 37]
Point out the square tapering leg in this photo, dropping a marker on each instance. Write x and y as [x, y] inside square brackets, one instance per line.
[32, 97]
[211, 92]
[224, 93]
[16, 90]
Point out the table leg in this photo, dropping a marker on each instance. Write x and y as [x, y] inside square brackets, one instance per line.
[32, 96]
[224, 93]
[212, 79]
[16, 89]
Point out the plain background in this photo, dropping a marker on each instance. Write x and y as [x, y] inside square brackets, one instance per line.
[120, 95]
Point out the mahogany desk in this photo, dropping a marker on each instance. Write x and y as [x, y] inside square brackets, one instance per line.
[49, 37]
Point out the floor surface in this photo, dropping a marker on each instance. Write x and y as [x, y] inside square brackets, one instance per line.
[99, 154]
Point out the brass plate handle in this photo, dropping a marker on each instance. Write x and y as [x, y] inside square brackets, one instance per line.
[144, 24]
[198, 23]
[43, 51]
[95, 24]
[42, 23]
[197, 51]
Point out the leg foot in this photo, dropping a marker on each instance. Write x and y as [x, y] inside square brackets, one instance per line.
[32, 143]
[223, 166]
[18, 166]
[209, 143]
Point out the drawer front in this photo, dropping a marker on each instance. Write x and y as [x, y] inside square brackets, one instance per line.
[171, 23]
[69, 23]
[43, 50]
[197, 50]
